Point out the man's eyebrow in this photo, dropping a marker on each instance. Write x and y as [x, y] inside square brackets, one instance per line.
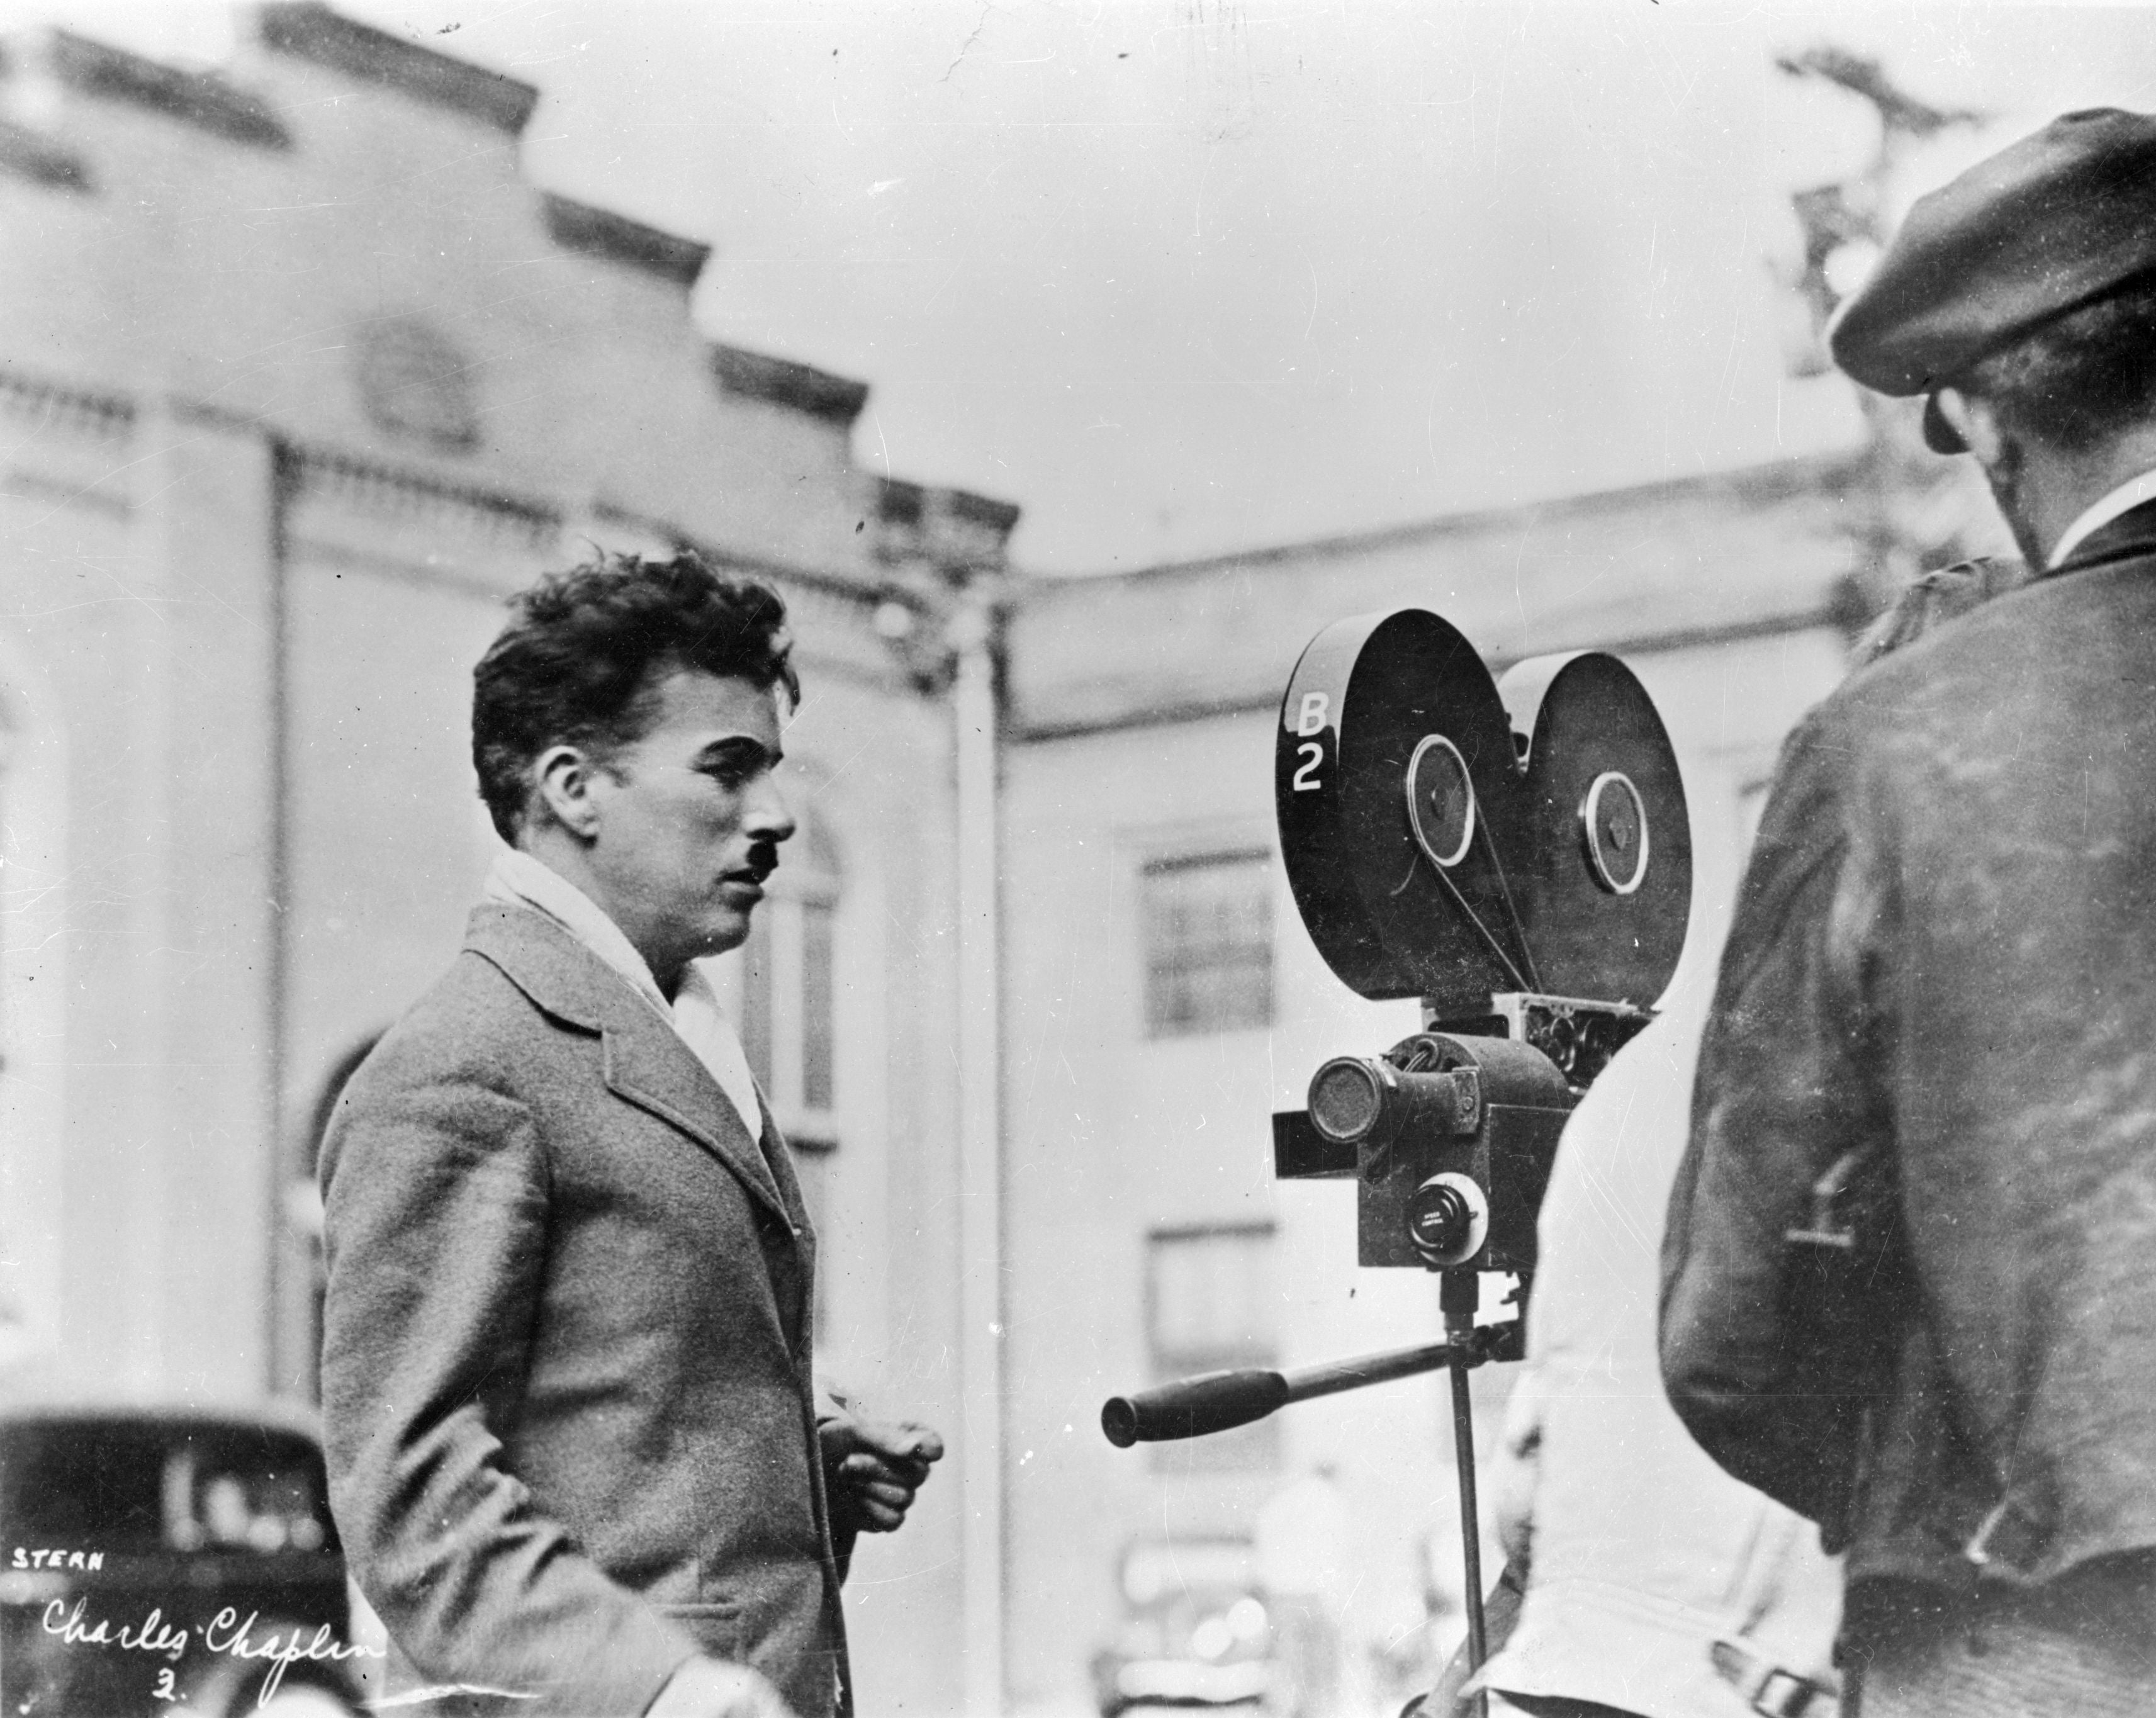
[730, 747]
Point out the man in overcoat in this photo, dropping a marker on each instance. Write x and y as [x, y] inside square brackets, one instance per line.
[575, 1455]
[1907, 1285]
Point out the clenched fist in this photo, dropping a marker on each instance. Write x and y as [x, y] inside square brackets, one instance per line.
[871, 1469]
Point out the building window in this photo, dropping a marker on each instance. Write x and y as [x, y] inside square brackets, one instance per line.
[1208, 943]
[1210, 1306]
[789, 990]
[789, 1008]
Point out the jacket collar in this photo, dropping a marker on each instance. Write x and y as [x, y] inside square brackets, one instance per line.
[2132, 533]
[646, 1063]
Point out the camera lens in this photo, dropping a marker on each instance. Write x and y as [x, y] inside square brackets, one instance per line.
[1352, 1100]
[1346, 1100]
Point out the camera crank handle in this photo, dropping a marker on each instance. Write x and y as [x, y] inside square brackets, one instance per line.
[1217, 1401]
[1191, 1408]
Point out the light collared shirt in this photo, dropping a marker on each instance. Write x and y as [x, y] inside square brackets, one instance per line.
[2124, 498]
[518, 879]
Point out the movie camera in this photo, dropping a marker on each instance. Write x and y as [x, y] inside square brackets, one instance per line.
[1514, 853]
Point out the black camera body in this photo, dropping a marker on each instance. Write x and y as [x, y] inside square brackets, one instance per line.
[1448, 1140]
[1516, 854]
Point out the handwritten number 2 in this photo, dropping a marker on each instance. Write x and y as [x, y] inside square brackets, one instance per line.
[166, 1689]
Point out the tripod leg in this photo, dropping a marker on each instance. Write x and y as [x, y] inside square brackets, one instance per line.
[1470, 1532]
[1458, 1294]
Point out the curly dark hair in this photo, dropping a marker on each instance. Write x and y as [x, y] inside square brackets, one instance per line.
[2080, 378]
[584, 652]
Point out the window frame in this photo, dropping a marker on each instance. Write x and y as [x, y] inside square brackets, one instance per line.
[772, 1011]
[1156, 1025]
[1253, 1449]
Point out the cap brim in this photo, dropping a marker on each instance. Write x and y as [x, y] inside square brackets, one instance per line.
[1939, 435]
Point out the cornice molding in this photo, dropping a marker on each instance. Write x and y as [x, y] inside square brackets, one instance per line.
[27, 155]
[1744, 488]
[202, 100]
[82, 411]
[600, 232]
[781, 381]
[306, 30]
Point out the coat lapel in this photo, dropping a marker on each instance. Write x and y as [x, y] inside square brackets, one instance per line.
[779, 1160]
[646, 1064]
[649, 1066]
[2132, 533]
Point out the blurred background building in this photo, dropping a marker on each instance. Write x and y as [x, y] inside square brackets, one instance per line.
[300, 374]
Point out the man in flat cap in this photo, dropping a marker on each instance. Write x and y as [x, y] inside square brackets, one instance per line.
[1909, 1278]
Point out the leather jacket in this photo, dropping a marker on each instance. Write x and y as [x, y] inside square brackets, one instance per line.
[1941, 978]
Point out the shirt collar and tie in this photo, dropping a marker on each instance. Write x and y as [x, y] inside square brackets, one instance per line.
[518, 879]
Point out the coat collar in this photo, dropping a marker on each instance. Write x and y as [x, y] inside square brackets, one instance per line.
[2134, 532]
[646, 1063]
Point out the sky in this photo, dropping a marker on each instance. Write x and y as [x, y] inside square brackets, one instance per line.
[1181, 277]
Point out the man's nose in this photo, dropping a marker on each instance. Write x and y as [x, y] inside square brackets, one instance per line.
[768, 818]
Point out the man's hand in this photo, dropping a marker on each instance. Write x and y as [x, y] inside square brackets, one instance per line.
[712, 1688]
[871, 1469]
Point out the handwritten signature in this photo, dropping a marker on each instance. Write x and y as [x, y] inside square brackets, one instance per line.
[225, 1633]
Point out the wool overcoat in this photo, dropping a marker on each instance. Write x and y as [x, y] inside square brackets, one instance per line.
[565, 1370]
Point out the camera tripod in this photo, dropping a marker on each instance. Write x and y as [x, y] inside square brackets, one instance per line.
[1216, 1402]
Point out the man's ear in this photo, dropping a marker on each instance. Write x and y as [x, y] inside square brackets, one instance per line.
[1971, 417]
[564, 775]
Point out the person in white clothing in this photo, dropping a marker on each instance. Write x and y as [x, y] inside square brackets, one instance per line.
[1654, 1583]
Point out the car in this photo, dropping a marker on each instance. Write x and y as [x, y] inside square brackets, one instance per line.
[168, 1559]
[1195, 1632]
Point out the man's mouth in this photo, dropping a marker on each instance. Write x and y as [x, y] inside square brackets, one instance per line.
[762, 861]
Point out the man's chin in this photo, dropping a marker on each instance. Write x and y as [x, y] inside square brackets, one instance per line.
[726, 933]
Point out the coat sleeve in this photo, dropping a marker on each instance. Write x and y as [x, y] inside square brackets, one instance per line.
[1758, 1351]
[436, 1193]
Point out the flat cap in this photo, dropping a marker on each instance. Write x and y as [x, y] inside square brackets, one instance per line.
[2052, 223]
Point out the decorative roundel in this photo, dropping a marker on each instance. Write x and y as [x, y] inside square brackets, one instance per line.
[1440, 801]
[1614, 823]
